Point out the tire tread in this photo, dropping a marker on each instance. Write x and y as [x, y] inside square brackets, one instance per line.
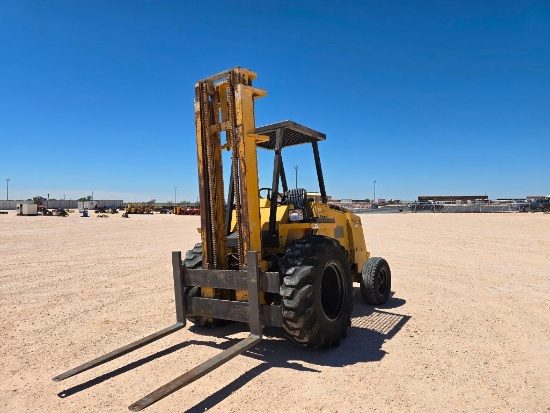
[298, 305]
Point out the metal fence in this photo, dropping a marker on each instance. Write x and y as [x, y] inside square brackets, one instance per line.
[62, 203]
[9, 205]
[481, 207]
[65, 204]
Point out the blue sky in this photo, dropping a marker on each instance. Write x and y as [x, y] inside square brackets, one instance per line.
[425, 97]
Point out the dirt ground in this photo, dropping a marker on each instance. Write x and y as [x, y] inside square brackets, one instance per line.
[467, 327]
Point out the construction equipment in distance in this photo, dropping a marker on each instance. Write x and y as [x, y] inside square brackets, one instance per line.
[269, 256]
[187, 210]
[139, 208]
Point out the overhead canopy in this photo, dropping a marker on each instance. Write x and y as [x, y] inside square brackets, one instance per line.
[293, 134]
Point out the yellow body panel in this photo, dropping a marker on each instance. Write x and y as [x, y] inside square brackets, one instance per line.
[346, 229]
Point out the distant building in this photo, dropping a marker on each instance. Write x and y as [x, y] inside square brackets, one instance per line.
[452, 198]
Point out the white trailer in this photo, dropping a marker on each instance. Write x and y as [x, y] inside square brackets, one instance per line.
[27, 209]
[82, 205]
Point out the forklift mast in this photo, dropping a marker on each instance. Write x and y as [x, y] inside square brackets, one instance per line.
[225, 103]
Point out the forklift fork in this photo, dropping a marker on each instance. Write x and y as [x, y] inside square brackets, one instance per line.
[254, 279]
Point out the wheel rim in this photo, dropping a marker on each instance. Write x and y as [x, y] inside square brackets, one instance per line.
[381, 281]
[332, 291]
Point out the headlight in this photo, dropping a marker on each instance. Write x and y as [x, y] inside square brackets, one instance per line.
[296, 215]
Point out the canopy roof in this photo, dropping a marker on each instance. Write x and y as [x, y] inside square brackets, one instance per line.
[293, 134]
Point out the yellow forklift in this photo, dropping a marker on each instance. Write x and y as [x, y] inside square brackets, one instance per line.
[269, 256]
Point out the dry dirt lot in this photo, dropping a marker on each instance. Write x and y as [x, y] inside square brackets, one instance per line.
[467, 328]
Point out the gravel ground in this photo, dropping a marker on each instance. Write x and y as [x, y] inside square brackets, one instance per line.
[467, 327]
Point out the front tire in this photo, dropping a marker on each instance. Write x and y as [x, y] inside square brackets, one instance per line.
[316, 292]
[375, 281]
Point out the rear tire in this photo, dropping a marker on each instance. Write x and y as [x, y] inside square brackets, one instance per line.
[375, 281]
[316, 292]
[193, 259]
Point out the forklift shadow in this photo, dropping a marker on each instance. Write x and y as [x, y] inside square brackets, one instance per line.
[393, 301]
[370, 328]
[134, 365]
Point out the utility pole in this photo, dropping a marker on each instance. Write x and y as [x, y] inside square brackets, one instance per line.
[296, 168]
[7, 189]
[175, 192]
[374, 195]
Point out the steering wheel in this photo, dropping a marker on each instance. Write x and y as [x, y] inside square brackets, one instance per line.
[280, 197]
